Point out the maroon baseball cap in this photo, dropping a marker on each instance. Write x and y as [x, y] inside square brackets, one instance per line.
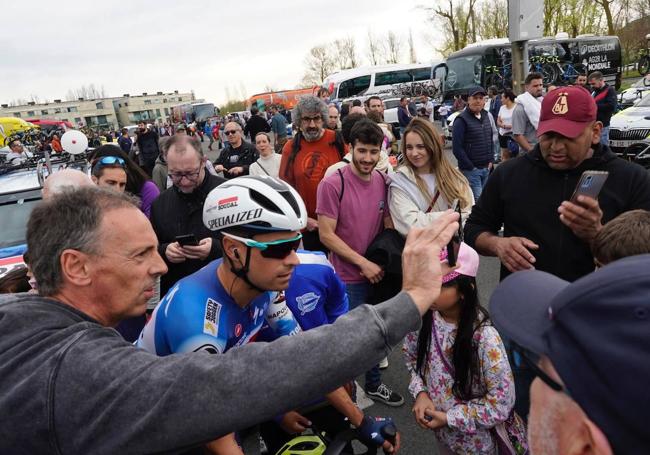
[567, 111]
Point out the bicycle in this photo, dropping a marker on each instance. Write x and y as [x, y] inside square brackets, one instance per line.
[545, 65]
[501, 77]
[643, 64]
[569, 72]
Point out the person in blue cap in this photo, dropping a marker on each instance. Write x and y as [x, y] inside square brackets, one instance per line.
[588, 343]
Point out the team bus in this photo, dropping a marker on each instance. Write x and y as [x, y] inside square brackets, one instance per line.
[560, 59]
[285, 98]
[369, 80]
[193, 112]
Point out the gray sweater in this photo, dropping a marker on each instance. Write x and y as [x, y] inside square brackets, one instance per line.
[71, 386]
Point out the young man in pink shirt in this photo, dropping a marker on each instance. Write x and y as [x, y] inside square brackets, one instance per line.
[352, 208]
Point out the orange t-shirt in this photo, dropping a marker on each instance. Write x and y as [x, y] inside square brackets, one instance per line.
[309, 167]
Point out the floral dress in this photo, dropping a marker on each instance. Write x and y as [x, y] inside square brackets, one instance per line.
[469, 422]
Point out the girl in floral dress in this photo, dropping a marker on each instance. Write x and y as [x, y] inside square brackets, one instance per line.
[460, 377]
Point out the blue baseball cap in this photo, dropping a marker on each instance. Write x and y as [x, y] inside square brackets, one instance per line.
[596, 332]
[476, 91]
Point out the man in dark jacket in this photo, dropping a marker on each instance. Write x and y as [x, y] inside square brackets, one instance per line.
[179, 211]
[530, 196]
[256, 124]
[473, 141]
[237, 155]
[125, 142]
[147, 141]
[605, 97]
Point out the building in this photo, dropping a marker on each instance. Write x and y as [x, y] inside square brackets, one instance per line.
[112, 113]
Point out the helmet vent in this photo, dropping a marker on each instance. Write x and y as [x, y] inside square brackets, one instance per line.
[264, 202]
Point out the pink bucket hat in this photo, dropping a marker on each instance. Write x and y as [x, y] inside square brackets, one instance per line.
[467, 262]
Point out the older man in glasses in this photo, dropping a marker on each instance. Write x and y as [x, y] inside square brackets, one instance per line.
[184, 243]
[237, 155]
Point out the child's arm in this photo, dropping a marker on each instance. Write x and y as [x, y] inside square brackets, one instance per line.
[495, 406]
[409, 349]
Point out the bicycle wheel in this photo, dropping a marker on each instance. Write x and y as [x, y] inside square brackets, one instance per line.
[569, 73]
[549, 73]
[643, 66]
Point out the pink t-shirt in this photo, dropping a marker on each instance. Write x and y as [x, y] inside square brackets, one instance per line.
[359, 216]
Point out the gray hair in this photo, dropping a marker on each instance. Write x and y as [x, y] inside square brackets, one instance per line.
[69, 221]
[181, 142]
[312, 105]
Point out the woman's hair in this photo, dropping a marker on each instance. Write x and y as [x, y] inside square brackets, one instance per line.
[510, 95]
[451, 183]
[465, 360]
[15, 281]
[135, 176]
[262, 133]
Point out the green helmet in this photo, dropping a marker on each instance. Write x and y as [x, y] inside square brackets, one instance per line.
[303, 445]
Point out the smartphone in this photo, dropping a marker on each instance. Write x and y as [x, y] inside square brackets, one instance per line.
[454, 244]
[187, 239]
[590, 184]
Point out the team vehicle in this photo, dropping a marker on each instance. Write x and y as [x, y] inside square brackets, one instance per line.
[285, 98]
[633, 94]
[560, 59]
[629, 133]
[193, 112]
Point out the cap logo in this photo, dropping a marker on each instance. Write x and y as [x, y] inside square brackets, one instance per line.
[561, 105]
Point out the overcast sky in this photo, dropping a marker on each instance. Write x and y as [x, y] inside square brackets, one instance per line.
[215, 47]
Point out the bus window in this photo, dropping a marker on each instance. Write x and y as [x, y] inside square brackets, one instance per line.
[421, 74]
[464, 72]
[393, 77]
[354, 86]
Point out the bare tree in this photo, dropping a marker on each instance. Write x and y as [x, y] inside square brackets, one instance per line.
[318, 65]
[412, 56]
[88, 92]
[373, 50]
[344, 54]
[454, 16]
[393, 47]
[607, 9]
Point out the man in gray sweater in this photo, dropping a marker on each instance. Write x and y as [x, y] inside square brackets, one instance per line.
[72, 385]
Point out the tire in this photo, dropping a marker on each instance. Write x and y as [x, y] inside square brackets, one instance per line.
[549, 73]
[491, 79]
[643, 66]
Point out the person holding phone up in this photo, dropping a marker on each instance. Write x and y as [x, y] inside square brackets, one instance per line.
[531, 196]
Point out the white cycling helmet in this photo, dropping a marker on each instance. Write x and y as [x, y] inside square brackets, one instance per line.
[256, 202]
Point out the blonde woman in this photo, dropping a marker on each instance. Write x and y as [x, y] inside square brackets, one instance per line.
[427, 183]
[269, 162]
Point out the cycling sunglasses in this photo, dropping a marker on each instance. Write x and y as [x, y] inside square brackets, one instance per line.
[522, 356]
[275, 249]
[111, 160]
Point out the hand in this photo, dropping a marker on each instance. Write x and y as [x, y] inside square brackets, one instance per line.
[312, 224]
[174, 253]
[584, 218]
[293, 422]
[422, 271]
[371, 432]
[219, 168]
[200, 251]
[513, 253]
[236, 170]
[423, 406]
[371, 271]
[436, 419]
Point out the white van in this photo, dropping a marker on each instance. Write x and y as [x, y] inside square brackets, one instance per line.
[369, 80]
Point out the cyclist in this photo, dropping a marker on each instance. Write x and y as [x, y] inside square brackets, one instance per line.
[223, 305]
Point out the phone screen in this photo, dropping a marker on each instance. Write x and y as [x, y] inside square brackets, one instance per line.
[188, 239]
[454, 245]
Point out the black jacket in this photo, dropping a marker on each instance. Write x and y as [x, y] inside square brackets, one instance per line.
[524, 194]
[148, 145]
[605, 98]
[256, 124]
[245, 155]
[175, 213]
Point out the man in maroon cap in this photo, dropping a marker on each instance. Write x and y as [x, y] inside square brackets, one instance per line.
[529, 197]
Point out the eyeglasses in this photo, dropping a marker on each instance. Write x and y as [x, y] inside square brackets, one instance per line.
[110, 161]
[228, 133]
[275, 249]
[178, 176]
[531, 359]
[308, 120]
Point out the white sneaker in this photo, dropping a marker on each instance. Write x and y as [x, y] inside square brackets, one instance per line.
[383, 364]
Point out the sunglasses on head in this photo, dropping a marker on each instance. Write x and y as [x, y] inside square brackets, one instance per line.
[111, 160]
[275, 249]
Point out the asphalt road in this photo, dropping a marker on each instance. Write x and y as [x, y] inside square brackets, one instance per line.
[415, 441]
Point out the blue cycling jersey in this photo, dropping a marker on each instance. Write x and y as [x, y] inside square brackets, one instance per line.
[197, 314]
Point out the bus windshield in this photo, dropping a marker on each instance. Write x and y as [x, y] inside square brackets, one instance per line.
[203, 112]
[464, 72]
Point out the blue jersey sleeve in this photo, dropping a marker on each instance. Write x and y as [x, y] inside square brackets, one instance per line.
[337, 302]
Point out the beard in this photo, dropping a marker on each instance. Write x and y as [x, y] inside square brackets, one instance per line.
[312, 134]
[358, 166]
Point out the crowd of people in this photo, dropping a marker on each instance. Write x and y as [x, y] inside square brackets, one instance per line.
[336, 245]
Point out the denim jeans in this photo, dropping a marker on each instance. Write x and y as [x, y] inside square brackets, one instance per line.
[357, 295]
[476, 178]
[604, 136]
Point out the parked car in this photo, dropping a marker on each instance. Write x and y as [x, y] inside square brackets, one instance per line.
[633, 94]
[629, 132]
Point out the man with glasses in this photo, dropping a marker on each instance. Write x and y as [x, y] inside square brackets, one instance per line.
[306, 157]
[237, 155]
[17, 155]
[110, 172]
[177, 212]
[587, 344]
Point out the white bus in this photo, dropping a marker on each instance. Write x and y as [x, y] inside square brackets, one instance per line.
[376, 79]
